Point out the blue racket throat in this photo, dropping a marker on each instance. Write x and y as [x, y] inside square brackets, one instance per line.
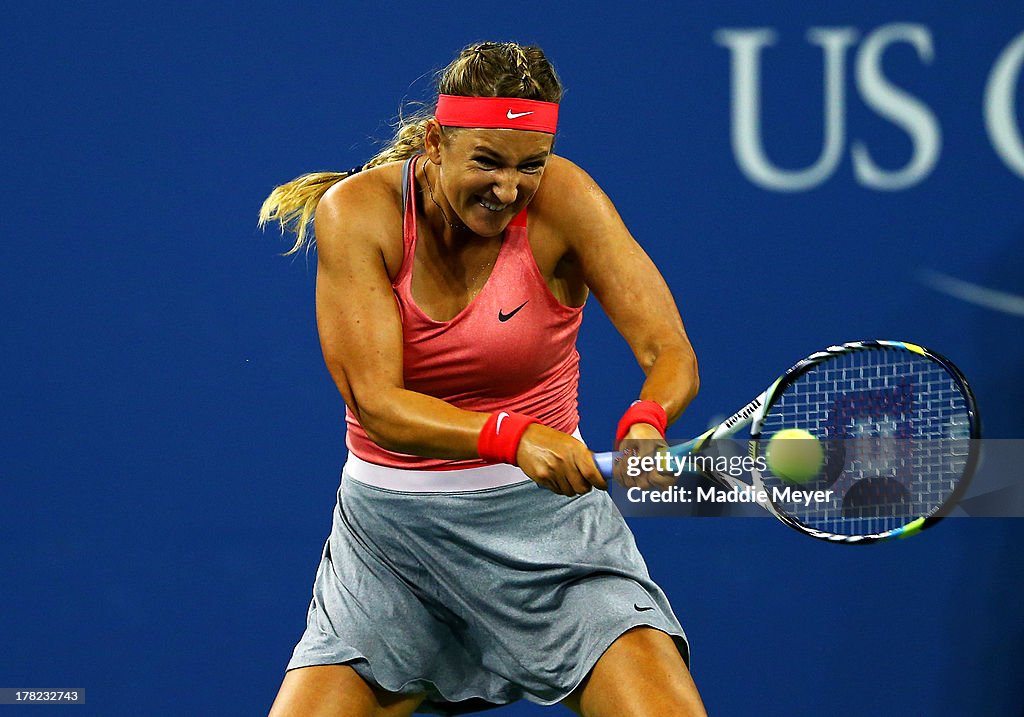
[606, 462]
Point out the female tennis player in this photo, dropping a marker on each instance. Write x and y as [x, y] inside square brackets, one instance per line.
[470, 563]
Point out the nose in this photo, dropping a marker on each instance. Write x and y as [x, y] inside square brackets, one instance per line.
[506, 188]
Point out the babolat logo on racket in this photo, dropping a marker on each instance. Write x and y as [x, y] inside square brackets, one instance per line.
[745, 413]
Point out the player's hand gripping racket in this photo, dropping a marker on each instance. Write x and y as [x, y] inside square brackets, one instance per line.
[897, 423]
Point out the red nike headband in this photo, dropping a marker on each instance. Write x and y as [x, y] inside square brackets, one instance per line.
[497, 113]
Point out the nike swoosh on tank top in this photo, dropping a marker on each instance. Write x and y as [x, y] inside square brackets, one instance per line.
[526, 363]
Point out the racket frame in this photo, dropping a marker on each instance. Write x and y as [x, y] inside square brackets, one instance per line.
[753, 415]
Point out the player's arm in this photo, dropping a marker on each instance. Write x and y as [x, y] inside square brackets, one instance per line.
[361, 339]
[630, 289]
[361, 332]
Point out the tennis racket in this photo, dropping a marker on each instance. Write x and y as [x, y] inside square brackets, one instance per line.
[854, 398]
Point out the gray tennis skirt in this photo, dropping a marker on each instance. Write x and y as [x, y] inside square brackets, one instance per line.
[477, 599]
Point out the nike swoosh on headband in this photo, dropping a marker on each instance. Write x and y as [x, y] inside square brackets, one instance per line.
[497, 113]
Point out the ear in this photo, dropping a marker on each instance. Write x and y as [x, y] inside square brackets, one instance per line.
[432, 141]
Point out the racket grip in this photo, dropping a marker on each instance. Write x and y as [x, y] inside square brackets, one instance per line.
[605, 462]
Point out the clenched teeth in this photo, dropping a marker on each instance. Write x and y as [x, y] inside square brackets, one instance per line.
[493, 207]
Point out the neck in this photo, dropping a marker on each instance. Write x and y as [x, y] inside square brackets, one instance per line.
[439, 214]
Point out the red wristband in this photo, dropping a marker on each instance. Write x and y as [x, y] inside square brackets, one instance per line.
[500, 436]
[642, 412]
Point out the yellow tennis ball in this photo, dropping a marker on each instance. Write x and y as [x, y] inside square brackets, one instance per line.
[795, 455]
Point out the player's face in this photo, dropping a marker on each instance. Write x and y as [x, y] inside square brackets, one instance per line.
[489, 175]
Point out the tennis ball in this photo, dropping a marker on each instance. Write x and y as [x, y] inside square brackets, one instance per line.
[795, 455]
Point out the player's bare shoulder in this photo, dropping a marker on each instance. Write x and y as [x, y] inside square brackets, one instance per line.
[364, 209]
[364, 198]
[569, 200]
[564, 181]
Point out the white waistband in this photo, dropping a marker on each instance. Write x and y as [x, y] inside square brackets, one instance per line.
[459, 480]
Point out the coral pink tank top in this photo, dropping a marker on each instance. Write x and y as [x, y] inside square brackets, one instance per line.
[512, 348]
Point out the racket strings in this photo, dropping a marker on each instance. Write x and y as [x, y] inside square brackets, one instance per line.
[896, 427]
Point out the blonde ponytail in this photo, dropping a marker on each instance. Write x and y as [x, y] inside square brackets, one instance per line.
[293, 205]
[408, 140]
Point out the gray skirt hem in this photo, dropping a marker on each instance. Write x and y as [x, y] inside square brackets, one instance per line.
[437, 702]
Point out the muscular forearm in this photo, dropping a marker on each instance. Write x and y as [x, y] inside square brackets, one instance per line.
[672, 379]
[409, 422]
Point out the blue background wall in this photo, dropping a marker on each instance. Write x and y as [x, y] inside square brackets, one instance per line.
[171, 440]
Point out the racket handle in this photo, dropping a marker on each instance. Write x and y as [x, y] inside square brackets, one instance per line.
[605, 463]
